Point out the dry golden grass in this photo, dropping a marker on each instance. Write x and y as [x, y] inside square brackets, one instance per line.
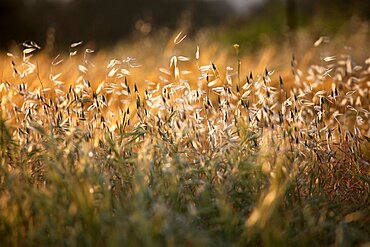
[180, 144]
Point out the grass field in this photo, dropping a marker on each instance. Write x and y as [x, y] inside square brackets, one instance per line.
[186, 144]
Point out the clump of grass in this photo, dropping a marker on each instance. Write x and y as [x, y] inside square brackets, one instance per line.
[196, 154]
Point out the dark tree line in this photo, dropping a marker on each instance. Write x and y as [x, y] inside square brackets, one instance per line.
[102, 21]
[107, 21]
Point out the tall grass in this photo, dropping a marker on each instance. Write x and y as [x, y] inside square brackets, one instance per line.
[194, 151]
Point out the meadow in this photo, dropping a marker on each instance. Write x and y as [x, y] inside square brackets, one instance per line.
[186, 142]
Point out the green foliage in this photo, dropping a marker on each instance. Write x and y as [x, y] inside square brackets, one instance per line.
[55, 193]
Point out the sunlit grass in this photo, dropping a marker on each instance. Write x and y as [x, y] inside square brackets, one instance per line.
[185, 143]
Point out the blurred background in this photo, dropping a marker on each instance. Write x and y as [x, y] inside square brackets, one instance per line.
[57, 23]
